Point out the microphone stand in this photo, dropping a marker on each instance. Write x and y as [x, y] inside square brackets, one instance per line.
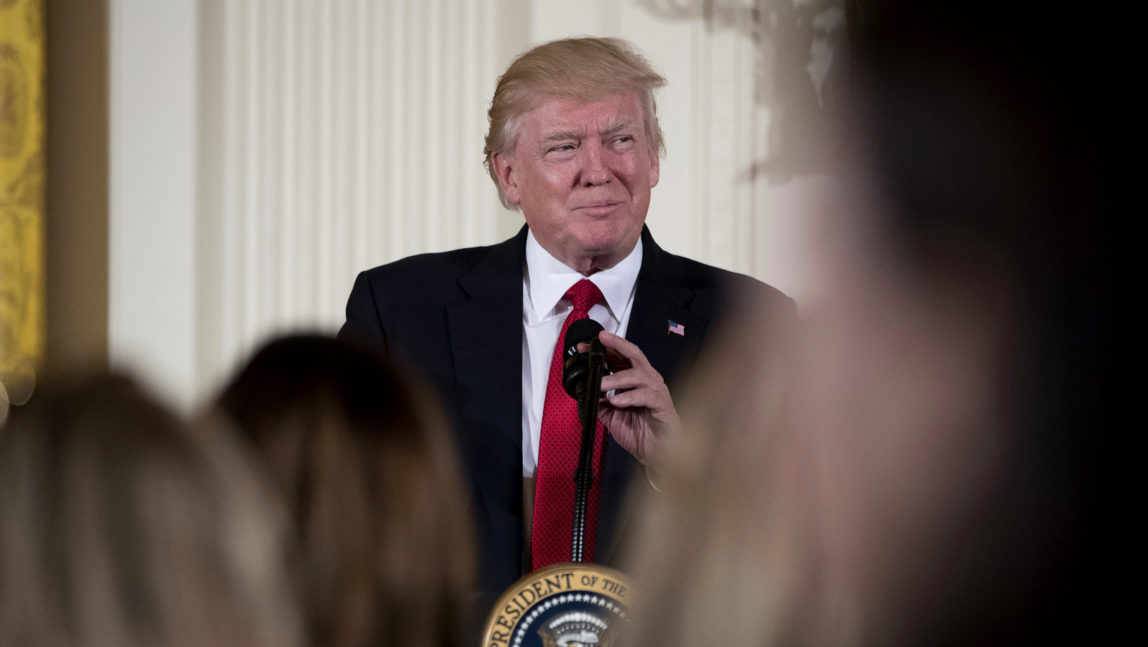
[584, 475]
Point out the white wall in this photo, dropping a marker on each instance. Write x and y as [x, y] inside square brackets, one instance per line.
[264, 151]
[152, 194]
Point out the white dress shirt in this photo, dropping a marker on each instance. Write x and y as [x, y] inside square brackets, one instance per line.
[545, 281]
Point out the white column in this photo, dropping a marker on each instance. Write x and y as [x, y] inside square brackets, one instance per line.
[152, 193]
[349, 134]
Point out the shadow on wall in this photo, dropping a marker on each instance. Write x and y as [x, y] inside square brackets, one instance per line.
[799, 47]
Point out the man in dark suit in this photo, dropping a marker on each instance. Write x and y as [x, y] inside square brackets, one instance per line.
[574, 143]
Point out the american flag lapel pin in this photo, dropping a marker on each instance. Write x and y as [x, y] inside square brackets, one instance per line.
[676, 328]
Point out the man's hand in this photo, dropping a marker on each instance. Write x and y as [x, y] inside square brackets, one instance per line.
[640, 415]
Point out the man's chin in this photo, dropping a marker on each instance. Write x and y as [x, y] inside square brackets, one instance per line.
[607, 251]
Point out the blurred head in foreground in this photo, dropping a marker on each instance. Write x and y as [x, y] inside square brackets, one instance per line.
[367, 466]
[118, 529]
[919, 466]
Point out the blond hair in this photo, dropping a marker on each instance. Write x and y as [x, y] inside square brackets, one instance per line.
[585, 68]
[120, 528]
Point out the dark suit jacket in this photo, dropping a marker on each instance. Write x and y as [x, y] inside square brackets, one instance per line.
[457, 316]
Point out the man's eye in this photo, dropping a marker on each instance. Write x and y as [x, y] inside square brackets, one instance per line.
[562, 151]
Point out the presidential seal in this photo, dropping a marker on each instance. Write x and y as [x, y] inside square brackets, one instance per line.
[562, 605]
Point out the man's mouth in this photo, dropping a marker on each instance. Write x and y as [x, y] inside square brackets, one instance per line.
[600, 207]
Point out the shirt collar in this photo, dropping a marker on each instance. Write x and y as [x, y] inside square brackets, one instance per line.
[548, 279]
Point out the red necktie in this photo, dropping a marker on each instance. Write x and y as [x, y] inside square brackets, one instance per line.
[558, 447]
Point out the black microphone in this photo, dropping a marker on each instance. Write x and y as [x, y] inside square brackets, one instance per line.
[577, 365]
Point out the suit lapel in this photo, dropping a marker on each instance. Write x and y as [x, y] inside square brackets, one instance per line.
[486, 346]
[661, 299]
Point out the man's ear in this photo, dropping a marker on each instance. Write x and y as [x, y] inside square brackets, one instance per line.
[504, 170]
[655, 169]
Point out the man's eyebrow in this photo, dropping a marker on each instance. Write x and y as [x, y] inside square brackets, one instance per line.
[562, 135]
[615, 128]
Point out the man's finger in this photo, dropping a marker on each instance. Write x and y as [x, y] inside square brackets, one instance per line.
[627, 379]
[615, 361]
[634, 398]
[624, 348]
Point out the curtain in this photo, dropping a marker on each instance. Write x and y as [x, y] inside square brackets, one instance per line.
[21, 197]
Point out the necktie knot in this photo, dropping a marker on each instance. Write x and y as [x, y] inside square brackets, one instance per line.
[584, 295]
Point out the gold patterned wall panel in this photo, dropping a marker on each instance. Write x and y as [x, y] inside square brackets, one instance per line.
[21, 192]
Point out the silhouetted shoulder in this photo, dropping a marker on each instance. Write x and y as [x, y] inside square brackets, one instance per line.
[410, 296]
[711, 289]
[737, 286]
[422, 271]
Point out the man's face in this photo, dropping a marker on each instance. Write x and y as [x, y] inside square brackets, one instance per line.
[582, 172]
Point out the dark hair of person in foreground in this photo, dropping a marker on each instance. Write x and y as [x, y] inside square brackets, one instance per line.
[118, 528]
[365, 461]
[994, 134]
[923, 464]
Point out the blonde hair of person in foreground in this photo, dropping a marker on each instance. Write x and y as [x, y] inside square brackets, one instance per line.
[118, 528]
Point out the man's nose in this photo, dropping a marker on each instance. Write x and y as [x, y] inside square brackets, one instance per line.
[595, 170]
